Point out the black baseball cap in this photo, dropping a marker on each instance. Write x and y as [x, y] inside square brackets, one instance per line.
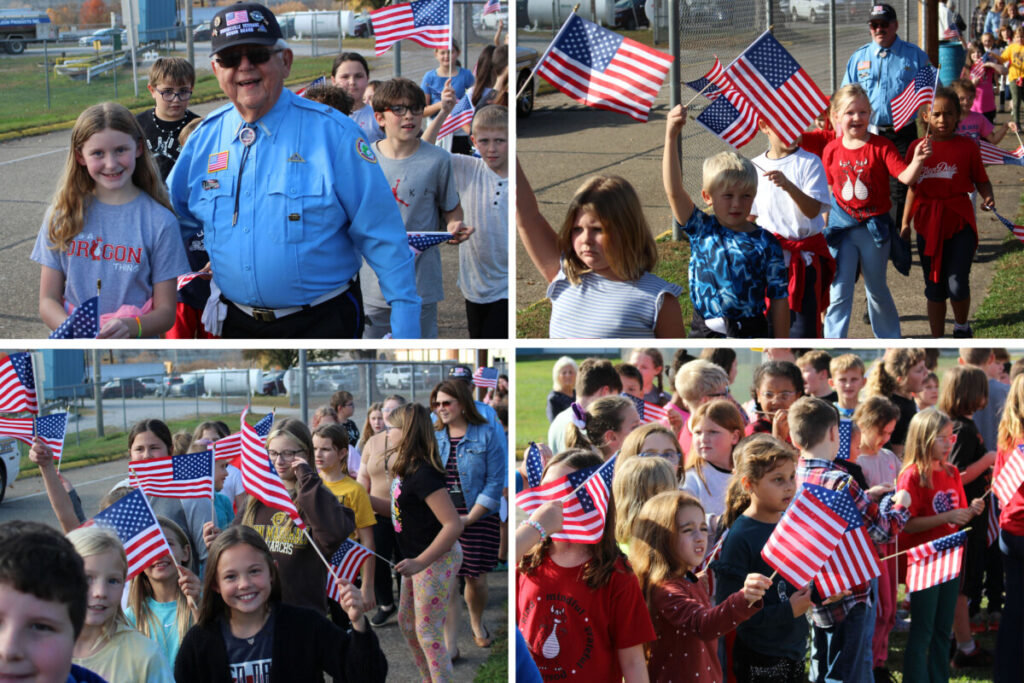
[883, 12]
[461, 372]
[244, 23]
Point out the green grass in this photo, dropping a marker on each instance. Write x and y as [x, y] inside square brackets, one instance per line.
[533, 382]
[23, 107]
[495, 669]
[673, 260]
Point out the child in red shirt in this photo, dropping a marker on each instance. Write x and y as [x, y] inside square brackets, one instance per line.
[579, 605]
[940, 209]
[859, 230]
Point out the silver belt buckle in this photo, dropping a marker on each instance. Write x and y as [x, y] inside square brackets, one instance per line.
[263, 315]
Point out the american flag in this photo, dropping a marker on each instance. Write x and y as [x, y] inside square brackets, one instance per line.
[20, 428]
[419, 242]
[51, 429]
[712, 83]
[485, 378]
[992, 530]
[427, 22]
[806, 535]
[713, 554]
[491, 6]
[602, 69]
[461, 115]
[177, 476]
[935, 562]
[585, 510]
[952, 32]
[992, 155]
[17, 384]
[230, 447]
[978, 69]
[189, 277]
[920, 90]
[1017, 230]
[783, 94]
[346, 560]
[845, 438]
[648, 412]
[534, 466]
[732, 118]
[132, 519]
[259, 477]
[83, 323]
[1006, 484]
[301, 92]
[854, 560]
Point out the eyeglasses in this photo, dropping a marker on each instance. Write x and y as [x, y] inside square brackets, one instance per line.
[171, 95]
[668, 455]
[784, 395]
[443, 404]
[284, 455]
[402, 110]
[878, 24]
[256, 55]
[720, 394]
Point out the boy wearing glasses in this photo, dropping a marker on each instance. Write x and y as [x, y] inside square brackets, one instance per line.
[170, 83]
[423, 186]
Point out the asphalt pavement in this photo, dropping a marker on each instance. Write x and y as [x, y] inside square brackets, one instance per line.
[31, 166]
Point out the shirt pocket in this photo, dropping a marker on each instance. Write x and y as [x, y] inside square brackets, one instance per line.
[215, 204]
[299, 191]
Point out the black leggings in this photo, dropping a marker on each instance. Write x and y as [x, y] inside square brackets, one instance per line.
[954, 279]
[386, 543]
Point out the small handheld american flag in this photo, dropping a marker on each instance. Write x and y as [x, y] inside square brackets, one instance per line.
[51, 429]
[920, 91]
[230, 447]
[534, 466]
[993, 155]
[935, 562]
[1011, 475]
[177, 476]
[490, 7]
[712, 83]
[347, 560]
[806, 535]
[485, 378]
[132, 520]
[461, 115]
[17, 384]
[648, 412]
[83, 323]
[427, 22]
[183, 280]
[854, 560]
[845, 439]
[259, 477]
[585, 496]
[1016, 230]
[301, 92]
[419, 242]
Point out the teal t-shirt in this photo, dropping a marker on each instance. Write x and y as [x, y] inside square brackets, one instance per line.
[772, 631]
[224, 509]
[163, 626]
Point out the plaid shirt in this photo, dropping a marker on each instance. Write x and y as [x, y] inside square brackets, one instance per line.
[881, 526]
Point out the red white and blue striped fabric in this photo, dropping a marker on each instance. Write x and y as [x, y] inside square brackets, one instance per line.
[805, 537]
[427, 22]
[178, 476]
[259, 477]
[935, 562]
[17, 384]
[132, 519]
[346, 560]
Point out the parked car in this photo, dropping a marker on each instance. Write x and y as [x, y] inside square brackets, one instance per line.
[490, 21]
[153, 384]
[193, 386]
[361, 26]
[123, 387]
[394, 377]
[10, 464]
[105, 36]
[273, 383]
[169, 381]
[201, 33]
[526, 59]
[817, 10]
[630, 15]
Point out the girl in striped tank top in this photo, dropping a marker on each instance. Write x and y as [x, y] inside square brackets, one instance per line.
[598, 266]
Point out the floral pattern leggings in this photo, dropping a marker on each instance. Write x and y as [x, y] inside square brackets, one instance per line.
[422, 612]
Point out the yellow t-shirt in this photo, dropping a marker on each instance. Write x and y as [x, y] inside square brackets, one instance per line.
[1014, 56]
[352, 495]
[129, 657]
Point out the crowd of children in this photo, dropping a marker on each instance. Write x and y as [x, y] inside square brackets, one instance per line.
[680, 587]
[786, 235]
[111, 222]
[246, 596]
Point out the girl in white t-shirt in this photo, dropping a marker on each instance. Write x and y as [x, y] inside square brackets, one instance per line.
[717, 427]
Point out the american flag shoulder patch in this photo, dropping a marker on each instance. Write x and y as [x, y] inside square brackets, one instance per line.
[218, 162]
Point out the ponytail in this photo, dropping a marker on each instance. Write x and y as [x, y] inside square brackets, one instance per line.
[753, 457]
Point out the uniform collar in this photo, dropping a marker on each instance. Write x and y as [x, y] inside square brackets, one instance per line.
[890, 50]
[272, 121]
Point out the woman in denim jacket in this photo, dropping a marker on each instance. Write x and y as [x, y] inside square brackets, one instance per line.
[476, 476]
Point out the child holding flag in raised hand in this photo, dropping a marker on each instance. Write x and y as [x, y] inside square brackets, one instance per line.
[669, 543]
[734, 264]
[772, 642]
[792, 195]
[839, 646]
[578, 605]
[939, 508]
[1009, 665]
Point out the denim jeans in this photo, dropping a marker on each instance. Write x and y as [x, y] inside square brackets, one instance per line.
[842, 653]
[858, 246]
[1009, 664]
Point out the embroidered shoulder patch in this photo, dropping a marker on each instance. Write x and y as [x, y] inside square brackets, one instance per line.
[865, 64]
[365, 151]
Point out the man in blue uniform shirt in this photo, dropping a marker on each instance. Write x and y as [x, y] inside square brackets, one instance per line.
[290, 197]
[884, 67]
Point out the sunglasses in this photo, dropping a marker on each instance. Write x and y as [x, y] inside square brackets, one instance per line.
[878, 24]
[256, 55]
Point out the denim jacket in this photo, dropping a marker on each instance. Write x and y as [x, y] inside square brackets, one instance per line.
[482, 460]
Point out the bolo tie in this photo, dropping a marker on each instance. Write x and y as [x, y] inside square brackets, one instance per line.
[246, 136]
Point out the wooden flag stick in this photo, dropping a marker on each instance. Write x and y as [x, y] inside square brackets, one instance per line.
[701, 92]
[330, 567]
[901, 552]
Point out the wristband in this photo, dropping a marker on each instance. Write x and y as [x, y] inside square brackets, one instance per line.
[537, 526]
[138, 321]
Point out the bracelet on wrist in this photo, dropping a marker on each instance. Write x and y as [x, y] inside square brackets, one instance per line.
[536, 525]
[138, 321]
